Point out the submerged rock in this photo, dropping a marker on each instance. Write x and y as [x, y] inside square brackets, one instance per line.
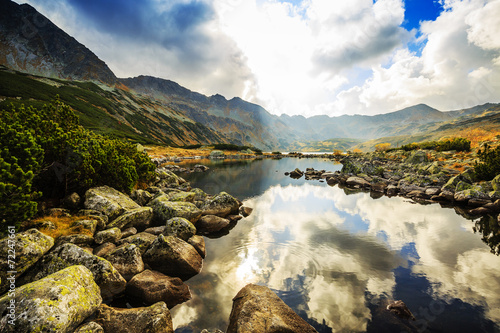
[153, 319]
[258, 309]
[29, 247]
[56, 303]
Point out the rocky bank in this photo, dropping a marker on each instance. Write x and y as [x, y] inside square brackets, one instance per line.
[143, 247]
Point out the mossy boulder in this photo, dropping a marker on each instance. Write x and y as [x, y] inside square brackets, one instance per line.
[90, 327]
[153, 319]
[475, 192]
[127, 260]
[179, 227]
[417, 157]
[221, 205]
[174, 257]
[57, 303]
[109, 235]
[108, 201]
[164, 210]
[29, 247]
[258, 309]
[106, 276]
[182, 196]
[142, 240]
[138, 218]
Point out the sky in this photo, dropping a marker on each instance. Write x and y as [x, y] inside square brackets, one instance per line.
[300, 57]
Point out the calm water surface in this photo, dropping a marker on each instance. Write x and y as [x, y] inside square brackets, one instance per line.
[337, 259]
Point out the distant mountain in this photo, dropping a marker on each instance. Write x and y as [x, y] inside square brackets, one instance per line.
[31, 43]
[158, 110]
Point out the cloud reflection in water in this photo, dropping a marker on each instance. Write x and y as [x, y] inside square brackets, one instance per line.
[328, 255]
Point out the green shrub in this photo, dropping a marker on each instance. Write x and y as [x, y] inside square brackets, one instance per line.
[489, 167]
[458, 144]
[410, 146]
[20, 158]
[46, 150]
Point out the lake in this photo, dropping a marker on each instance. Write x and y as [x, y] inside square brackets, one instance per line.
[338, 259]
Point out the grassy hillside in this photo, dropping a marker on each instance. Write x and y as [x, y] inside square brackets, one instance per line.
[342, 144]
[106, 110]
[478, 128]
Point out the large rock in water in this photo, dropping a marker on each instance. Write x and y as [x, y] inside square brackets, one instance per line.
[108, 201]
[164, 210]
[174, 257]
[210, 224]
[221, 205]
[258, 309]
[153, 319]
[56, 303]
[152, 287]
[106, 276]
[29, 247]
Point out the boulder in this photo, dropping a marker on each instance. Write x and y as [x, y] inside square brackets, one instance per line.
[103, 249]
[138, 218]
[155, 230]
[297, 173]
[182, 196]
[357, 182]
[108, 201]
[198, 242]
[164, 210]
[245, 211]
[179, 227]
[127, 260]
[90, 327]
[105, 275]
[109, 235]
[221, 205]
[83, 240]
[89, 225]
[141, 197]
[417, 157]
[56, 303]
[72, 201]
[152, 287]
[258, 309]
[153, 319]
[210, 223]
[142, 240]
[174, 257]
[29, 247]
[128, 232]
[474, 192]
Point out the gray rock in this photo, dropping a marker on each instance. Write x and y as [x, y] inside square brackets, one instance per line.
[174, 257]
[129, 232]
[258, 309]
[142, 240]
[141, 197]
[357, 182]
[417, 157]
[164, 210]
[221, 205]
[72, 201]
[155, 230]
[109, 235]
[138, 218]
[198, 242]
[108, 201]
[90, 327]
[56, 303]
[153, 319]
[83, 240]
[30, 246]
[105, 275]
[179, 227]
[104, 249]
[89, 225]
[152, 287]
[127, 260]
[182, 196]
[245, 211]
[210, 223]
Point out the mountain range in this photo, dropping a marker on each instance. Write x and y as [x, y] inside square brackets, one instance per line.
[40, 61]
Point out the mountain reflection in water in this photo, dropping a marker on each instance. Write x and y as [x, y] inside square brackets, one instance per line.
[337, 259]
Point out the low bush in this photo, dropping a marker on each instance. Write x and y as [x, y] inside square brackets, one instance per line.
[489, 166]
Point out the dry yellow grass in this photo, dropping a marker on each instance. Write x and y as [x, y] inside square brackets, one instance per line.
[63, 226]
[160, 151]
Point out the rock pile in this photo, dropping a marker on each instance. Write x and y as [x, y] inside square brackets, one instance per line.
[143, 246]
